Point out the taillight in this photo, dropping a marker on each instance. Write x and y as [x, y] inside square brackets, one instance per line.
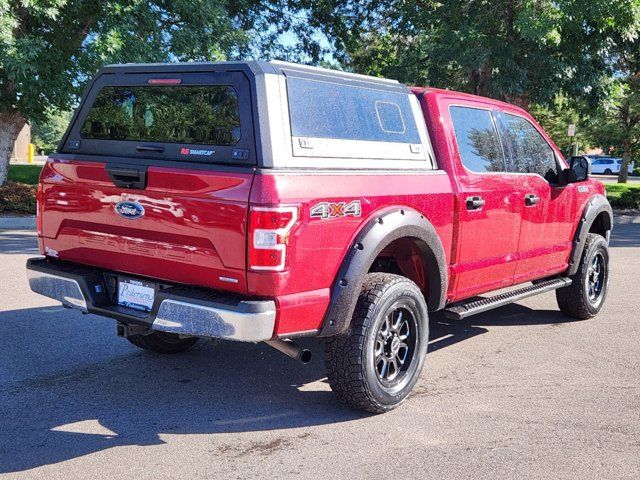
[39, 208]
[269, 230]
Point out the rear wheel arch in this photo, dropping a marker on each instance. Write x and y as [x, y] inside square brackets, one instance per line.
[382, 231]
[597, 217]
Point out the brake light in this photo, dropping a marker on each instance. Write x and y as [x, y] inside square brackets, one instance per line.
[164, 81]
[269, 232]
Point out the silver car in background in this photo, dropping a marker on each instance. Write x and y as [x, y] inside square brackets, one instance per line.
[607, 165]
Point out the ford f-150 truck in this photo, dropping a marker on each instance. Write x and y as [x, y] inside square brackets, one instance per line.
[260, 202]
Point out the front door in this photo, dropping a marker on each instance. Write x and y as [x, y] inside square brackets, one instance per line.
[547, 224]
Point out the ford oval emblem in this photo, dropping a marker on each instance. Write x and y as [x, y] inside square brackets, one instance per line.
[130, 210]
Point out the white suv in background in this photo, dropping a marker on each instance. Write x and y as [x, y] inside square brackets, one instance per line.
[607, 165]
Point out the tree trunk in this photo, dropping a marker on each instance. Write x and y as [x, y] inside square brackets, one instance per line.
[11, 124]
[626, 157]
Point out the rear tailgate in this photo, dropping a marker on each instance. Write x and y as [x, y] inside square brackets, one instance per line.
[193, 229]
[153, 178]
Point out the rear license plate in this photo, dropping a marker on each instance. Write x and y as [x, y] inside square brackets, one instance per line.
[136, 294]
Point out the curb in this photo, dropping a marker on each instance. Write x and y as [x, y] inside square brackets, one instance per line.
[18, 223]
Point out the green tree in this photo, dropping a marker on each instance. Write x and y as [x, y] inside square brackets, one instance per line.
[50, 48]
[46, 135]
[521, 51]
[616, 124]
[622, 111]
[556, 116]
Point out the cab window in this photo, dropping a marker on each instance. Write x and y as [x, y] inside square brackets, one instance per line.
[477, 139]
[528, 151]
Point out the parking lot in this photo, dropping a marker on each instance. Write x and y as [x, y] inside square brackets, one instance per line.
[611, 179]
[520, 392]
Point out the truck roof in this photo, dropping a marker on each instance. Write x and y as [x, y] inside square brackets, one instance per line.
[429, 91]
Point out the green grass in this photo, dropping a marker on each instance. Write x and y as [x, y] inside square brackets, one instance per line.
[624, 196]
[614, 190]
[28, 174]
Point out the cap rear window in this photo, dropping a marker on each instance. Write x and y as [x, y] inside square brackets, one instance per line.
[203, 117]
[206, 115]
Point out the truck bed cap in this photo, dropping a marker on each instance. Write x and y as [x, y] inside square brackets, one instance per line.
[255, 67]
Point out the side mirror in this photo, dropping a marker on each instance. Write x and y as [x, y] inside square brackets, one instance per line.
[579, 169]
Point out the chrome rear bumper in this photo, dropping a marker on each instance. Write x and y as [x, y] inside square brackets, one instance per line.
[180, 310]
[65, 290]
[176, 316]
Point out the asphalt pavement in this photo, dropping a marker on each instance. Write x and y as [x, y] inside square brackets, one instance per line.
[607, 179]
[521, 392]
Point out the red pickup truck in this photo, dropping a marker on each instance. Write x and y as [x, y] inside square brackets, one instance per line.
[257, 201]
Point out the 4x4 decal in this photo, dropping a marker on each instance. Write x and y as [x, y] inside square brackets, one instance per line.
[327, 210]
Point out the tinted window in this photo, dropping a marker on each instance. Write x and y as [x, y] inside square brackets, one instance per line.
[205, 115]
[321, 109]
[477, 139]
[529, 151]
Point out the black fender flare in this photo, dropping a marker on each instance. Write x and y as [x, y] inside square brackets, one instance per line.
[596, 205]
[373, 237]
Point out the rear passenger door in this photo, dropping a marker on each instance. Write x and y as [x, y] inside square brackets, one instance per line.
[547, 224]
[489, 207]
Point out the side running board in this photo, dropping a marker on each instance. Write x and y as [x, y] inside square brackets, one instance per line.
[460, 311]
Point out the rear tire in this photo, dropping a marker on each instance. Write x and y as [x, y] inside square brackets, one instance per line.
[163, 342]
[608, 171]
[585, 296]
[376, 363]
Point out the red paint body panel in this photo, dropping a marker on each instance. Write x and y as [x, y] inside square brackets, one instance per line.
[195, 225]
[317, 247]
[193, 230]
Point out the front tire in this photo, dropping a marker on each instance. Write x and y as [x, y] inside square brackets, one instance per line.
[163, 342]
[585, 296]
[376, 363]
[608, 171]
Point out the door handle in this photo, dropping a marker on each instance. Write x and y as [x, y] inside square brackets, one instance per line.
[531, 199]
[149, 148]
[132, 178]
[475, 203]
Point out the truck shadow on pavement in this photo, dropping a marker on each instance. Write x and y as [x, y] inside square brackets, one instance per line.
[444, 332]
[68, 388]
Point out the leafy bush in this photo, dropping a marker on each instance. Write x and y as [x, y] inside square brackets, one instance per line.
[18, 198]
[628, 199]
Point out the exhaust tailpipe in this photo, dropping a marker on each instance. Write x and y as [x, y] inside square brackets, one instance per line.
[291, 349]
